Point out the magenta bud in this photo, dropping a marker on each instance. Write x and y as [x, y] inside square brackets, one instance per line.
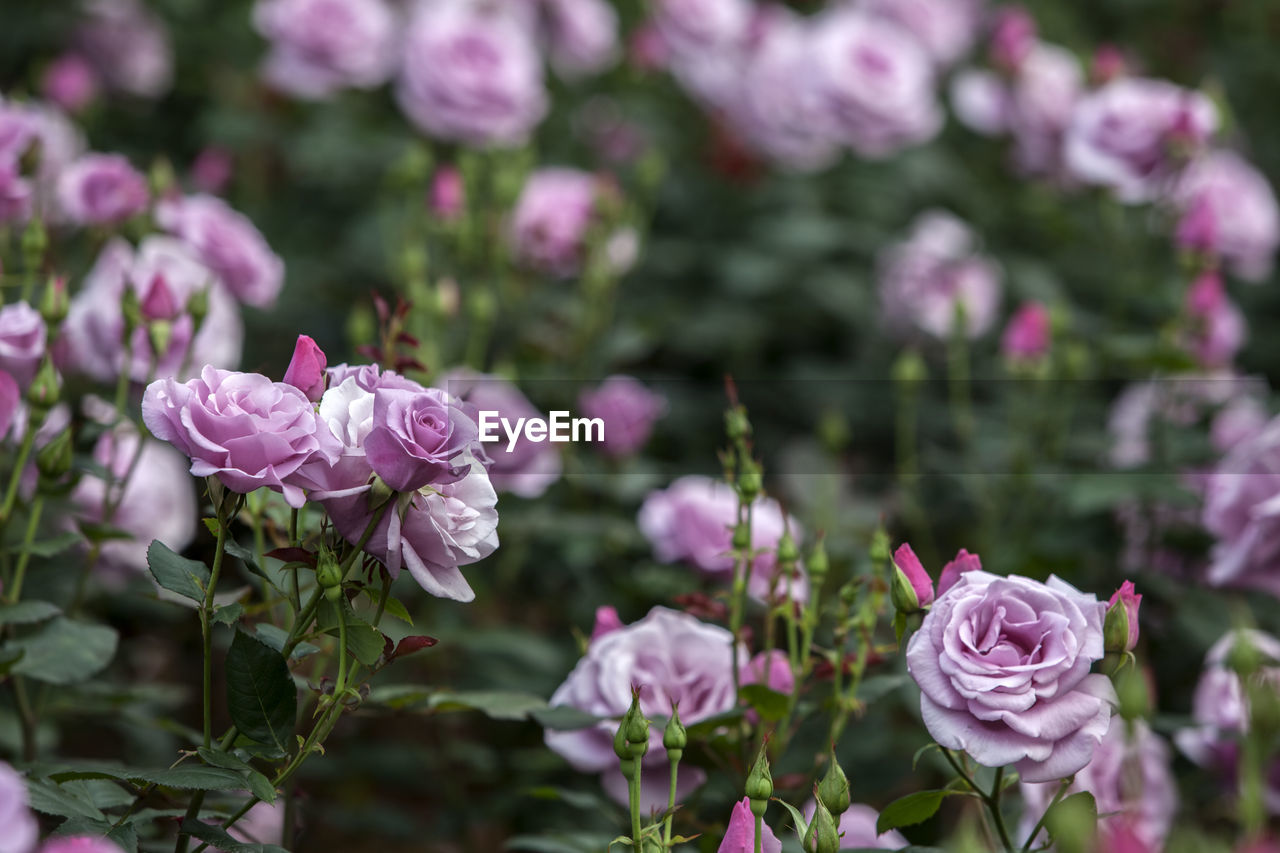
[951, 572]
[159, 303]
[1120, 630]
[1027, 336]
[448, 193]
[306, 368]
[912, 584]
[607, 621]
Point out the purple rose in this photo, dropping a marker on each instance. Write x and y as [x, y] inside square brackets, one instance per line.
[128, 47]
[228, 243]
[417, 435]
[1131, 781]
[15, 194]
[934, 274]
[262, 824]
[243, 428]
[27, 124]
[1217, 327]
[22, 341]
[1240, 207]
[471, 74]
[857, 828]
[101, 189]
[1242, 513]
[701, 26]
[740, 834]
[321, 46]
[448, 195]
[211, 171]
[1013, 37]
[673, 658]
[946, 28]
[306, 370]
[551, 218]
[628, 410]
[581, 35]
[529, 468]
[876, 82]
[1131, 134]
[981, 101]
[1003, 668]
[94, 328]
[70, 82]
[692, 521]
[18, 828]
[1042, 99]
[158, 500]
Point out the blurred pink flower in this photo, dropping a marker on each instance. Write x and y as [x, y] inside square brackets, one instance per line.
[1027, 336]
[70, 82]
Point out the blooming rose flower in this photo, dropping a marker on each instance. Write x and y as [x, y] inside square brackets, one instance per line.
[550, 220]
[27, 124]
[692, 521]
[946, 28]
[628, 410]
[857, 828]
[101, 189]
[980, 100]
[243, 428]
[673, 658]
[1003, 668]
[70, 82]
[158, 500]
[1041, 105]
[1220, 709]
[701, 26]
[1218, 327]
[1242, 513]
[1240, 206]
[306, 370]
[740, 835]
[530, 467]
[321, 46]
[128, 46]
[94, 329]
[417, 434]
[18, 828]
[1028, 333]
[471, 74]
[936, 271]
[876, 81]
[22, 341]
[1126, 134]
[581, 35]
[1131, 781]
[228, 243]
[1180, 402]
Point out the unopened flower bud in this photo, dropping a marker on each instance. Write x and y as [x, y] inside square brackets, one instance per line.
[637, 728]
[329, 575]
[55, 303]
[759, 787]
[736, 425]
[306, 370]
[749, 481]
[674, 736]
[53, 461]
[44, 390]
[818, 564]
[879, 551]
[1120, 630]
[620, 742]
[833, 790]
[741, 537]
[198, 308]
[160, 335]
[1244, 659]
[823, 836]
[910, 369]
[159, 303]
[911, 588]
[787, 552]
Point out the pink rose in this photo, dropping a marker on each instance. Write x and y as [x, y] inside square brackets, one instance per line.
[321, 46]
[906, 561]
[740, 835]
[70, 82]
[1234, 202]
[417, 435]
[22, 341]
[628, 410]
[228, 243]
[306, 370]
[550, 220]
[10, 402]
[128, 46]
[951, 572]
[101, 189]
[20, 829]
[581, 35]
[1028, 334]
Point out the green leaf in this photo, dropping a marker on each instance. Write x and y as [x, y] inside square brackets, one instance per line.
[564, 718]
[249, 558]
[9, 658]
[911, 809]
[188, 578]
[495, 704]
[261, 697]
[49, 547]
[257, 783]
[1073, 823]
[768, 703]
[364, 641]
[584, 800]
[229, 614]
[64, 651]
[49, 797]
[276, 638]
[188, 777]
[27, 612]
[218, 837]
[703, 728]
[797, 817]
[125, 837]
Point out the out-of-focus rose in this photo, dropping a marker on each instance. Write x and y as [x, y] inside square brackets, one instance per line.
[581, 35]
[740, 834]
[101, 189]
[33, 128]
[243, 428]
[94, 328]
[1003, 667]
[674, 658]
[692, 521]
[158, 500]
[211, 171]
[1180, 402]
[448, 196]
[18, 828]
[933, 275]
[1131, 781]
[321, 46]
[22, 341]
[607, 621]
[876, 81]
[951, 572]
[1013, 36]
[628, 410]
[946, 28]
[857, 829]
[1217, 327]
[1131, 134]
[80, 844]
[1028, 334]
[128, 46]
[262, 824]
[551, 218]
[689, 27]
[70, 82]
[471, 74]
[772, 669]
[1041, 103]
[529, 468]
[1242, 512]
[1240, 207]
[228, 243]
[980, 100]
[15, 194]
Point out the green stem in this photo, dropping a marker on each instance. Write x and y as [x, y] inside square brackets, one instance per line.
[11, 494]
[1035, 830]
[27, 719]
[671, 804]
[759, 831]
[991, 800]
[341, 684]
[24, 557]
[206, 629]
[633, 798]
[382, 599]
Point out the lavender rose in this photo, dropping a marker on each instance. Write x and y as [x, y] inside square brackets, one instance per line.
[416, 436]
[471, 74]
[1217, 328]
[22, 341]
[1131, 134]
[934, 274]
[15, 194]
[1241, 210]
[1042, 101]
[628, 410]
[1029, 333]
[876, 81]
[100, 189]
[1242, 513]
[703, 42]
[228, 243]
[18, 828]
[1003, 668]
[80, 844]
[321, 46]
[1131, 781]
[550, 221]
[946, 28]
[128, 47]
[70, 82]
[243, 428]
[581, 35]
[10, 403]
[673, 658]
